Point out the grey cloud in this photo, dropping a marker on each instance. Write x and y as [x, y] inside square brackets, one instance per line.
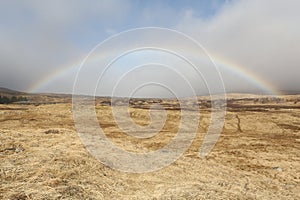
[261, 36]
[36, 36]
[39, 37]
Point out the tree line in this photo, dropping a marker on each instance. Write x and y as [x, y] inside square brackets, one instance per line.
[7, 100]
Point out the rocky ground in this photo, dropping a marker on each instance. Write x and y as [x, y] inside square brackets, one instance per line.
[256, 157]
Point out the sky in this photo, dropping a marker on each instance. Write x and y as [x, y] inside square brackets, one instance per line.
[254, 44]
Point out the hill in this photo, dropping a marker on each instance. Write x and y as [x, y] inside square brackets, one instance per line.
[6, 91]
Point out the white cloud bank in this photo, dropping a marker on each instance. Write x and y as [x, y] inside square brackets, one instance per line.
[38, 37]
[261, 36]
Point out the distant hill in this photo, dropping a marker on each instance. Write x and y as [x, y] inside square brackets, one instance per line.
[10, 92]
[7, 91]
[14, 96]
[289, 92]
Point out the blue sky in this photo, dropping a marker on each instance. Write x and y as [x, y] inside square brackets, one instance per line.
[39, 38]
[139, 13]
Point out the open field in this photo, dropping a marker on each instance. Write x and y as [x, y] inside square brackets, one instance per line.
[256, 157]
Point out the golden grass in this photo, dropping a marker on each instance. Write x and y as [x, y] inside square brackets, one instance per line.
[42, 157]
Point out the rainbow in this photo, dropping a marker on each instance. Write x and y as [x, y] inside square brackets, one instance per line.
[221, 63]
[242, 72]
[46, 80]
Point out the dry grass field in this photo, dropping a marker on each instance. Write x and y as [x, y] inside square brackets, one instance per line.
[256, 157]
